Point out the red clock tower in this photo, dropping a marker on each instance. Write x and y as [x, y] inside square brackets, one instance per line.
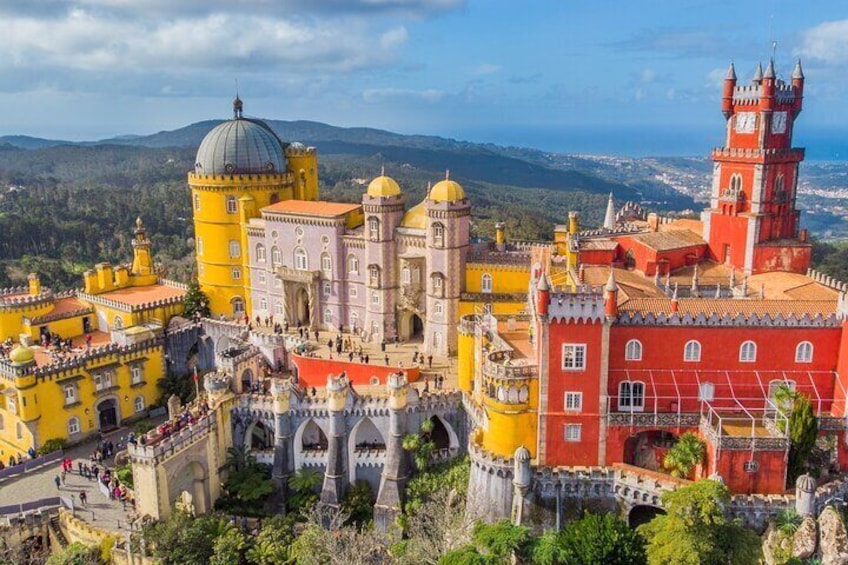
[752, 223]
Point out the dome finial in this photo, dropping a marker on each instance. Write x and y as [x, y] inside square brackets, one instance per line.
[447, 174]
[382, 170]
[238, 105]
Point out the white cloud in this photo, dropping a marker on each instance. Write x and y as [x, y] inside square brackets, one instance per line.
[826, 42]
[374, 95]
[486, 69]
[394, 38]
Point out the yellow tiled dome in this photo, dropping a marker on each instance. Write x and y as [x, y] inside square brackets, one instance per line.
[382, 187]
[415, 217]
[21, 355]
[447, 191]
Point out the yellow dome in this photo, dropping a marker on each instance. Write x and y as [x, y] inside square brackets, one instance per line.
[447, 191]
[21, 355]
[382, 187]
[415, 217]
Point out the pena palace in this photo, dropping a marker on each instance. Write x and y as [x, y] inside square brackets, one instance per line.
[553, 364]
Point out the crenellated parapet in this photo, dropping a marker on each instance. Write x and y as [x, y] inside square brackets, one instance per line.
[579, 306]
[729, 320]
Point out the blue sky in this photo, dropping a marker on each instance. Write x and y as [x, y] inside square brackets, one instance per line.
[558, 74]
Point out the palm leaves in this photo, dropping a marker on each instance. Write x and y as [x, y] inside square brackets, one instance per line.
[685, 455]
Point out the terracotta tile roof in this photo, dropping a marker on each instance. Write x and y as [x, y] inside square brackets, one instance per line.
[672, 239]
[98, 338]
[631, 284]
[696, 226]
[67, 305]
[138, 295]
[598, 244]
[722, 306]
[790, 286]
[311, 208]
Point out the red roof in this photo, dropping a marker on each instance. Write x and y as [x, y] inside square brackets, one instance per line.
[311, 208]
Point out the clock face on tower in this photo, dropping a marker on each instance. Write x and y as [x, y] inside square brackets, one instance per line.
[778, 122]
[746, 122]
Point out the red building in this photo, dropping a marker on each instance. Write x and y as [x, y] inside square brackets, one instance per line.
[692, 326]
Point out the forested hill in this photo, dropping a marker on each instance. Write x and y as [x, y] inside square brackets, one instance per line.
[65, 206]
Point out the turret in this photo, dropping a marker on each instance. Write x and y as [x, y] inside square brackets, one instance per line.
[727, 95]
[611, 296]
[609, 217]
[798, 84]
[758, 74]
[543, 296]
[335, 474]
[573, 222]
[142, 265]
[767, 96]
[34, 284]
[805, 495]
[500, 241]
[695, 291]
[396, 468]
[674, 304]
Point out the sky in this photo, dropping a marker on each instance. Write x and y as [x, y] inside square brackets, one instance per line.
[573, 75]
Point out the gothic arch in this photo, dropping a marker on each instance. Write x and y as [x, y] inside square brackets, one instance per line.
[364, 435]
[309, 434]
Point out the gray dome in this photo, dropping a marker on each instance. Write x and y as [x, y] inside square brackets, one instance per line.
[240, 146]
[806, 483]
[522, 454]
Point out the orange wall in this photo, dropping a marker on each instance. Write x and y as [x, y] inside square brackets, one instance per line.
[313, 371]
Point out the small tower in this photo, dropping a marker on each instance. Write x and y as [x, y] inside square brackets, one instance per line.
[336, 474]
[383, 204]
[143, 270]
[609, 217]
[448, 237]
[521, 483]
[396, 469]
[805, 495]
[543, 296]
[611, 296]
[285, 393]
[34, 282]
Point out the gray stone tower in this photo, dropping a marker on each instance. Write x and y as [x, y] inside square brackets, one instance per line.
[283, 391]
[396, 468]
[336, 473]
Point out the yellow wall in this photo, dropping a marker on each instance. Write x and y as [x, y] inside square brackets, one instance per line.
[509, 431]
[215, 227]
[47, 413]
[12, 320]
[506, 279]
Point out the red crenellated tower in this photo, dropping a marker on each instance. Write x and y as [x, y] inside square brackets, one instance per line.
[752, 223]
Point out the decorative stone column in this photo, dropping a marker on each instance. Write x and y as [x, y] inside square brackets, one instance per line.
[335, 476]
[396, 467]
[520, 483]
[284, 393]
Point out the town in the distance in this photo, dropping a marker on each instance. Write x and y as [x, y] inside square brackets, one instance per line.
[362, 344]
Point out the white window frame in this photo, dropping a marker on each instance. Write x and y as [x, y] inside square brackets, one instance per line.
[706, 391]
[326, 264]
[232, 205]
[260, 276]
[236, 274]
[70, 392]
[573, 357]
[573, 401]
[234, 249]
[748, 352]
[139, 406]
[486, 283]
[353, 292]
[406, 275]
[438, 308]
[692, 351]
[301, 259]
[197, 203]
[633, 350]
[354, 319]
[260, 253]
[438, 235]
[278, 282]
[437, 340]
[375, 298]
[136, 374]
[374, 275]
[278, 307]
[263, 304]
[353, 264]
[572, 433]
[238, 305]
[74, 426]
[276, 257]
[373, 229]
[326, 288]
[328, 315]
[804, 352]
[628, 398]
[437, 282]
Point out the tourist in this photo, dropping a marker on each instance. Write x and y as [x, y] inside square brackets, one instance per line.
[58, 482]
[83, 498]
[430, 361]
[387, 359]
[426, 384]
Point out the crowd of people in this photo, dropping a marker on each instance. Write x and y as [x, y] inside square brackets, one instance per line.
[95, 470]
[188, 416]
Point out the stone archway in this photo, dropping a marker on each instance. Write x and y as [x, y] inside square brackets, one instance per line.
[301, 308]
[258, 436]
[647, 449]
[188, 485]
[642, 514]
[310, 439]
[364, 438]
[246, 380]
[411, 326]
[108, 414]
[445, 438]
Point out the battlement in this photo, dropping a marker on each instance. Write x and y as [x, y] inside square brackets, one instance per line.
[213, 180]
[174, 444]
[18, 297]
[580, 305]
[758, 153]
[728, 320]
[298, 149]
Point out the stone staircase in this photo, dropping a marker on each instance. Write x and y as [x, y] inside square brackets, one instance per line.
[56, 533]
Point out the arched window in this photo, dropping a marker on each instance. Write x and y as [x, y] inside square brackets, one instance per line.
[779, 186]
[137, 374]
[375, 328]
[260, 253]
[437, 341]
[327, 288]
[326, 264]
[631, 396]
[438, 308]
[232, 205]
[235, 249]
[374, 275]
[73, 426]
[405, 275]
[416, 274]
[278, 308]
[748, 352]
[328, 315]
[301, 261]
[139, 404]
[70, 391]
[373, 229]
[736, 183]
[354, 320]
[438, 281]
[263, 303]
[438, 235]
[236, 274]
[486, 283]
[238, 306]
[804, 352]
[633, 350]
[276, 257]
[706, 391]
[196, 202]
[352, 265]
[692, 351]
[118, 323]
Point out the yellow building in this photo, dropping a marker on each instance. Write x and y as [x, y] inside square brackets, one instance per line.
[241, 167]
[75, 363]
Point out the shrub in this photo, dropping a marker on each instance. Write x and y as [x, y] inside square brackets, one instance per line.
[51, 445]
